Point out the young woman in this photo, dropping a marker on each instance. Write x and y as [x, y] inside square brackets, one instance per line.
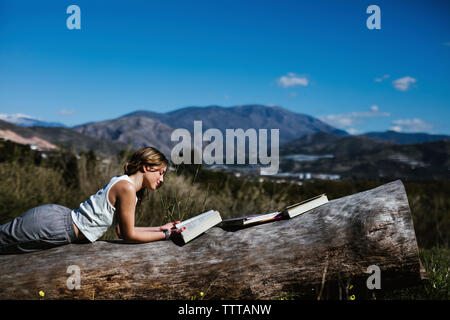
[52, 225]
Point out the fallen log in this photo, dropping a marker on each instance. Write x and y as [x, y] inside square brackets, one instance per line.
[318, 254]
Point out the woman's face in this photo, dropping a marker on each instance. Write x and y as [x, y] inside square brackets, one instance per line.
[154, 176]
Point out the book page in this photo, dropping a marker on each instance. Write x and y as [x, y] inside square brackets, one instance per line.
[197, 220]
[199, 224]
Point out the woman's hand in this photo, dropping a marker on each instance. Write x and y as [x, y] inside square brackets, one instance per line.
[168, 226]
[173, 231]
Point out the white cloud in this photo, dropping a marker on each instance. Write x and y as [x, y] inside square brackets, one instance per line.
[65, 112]
[447, 44]
[380, 79]
[411, 125]
[292, 80]
[339, 120]
[404, 83]
[348, 120]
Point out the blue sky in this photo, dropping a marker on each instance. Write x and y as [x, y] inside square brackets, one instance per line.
[312, 57]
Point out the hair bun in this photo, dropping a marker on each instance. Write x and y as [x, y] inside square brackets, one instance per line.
[126, 168]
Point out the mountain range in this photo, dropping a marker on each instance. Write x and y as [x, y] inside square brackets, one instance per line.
[371, 154]
[156, 131]
[142, 128]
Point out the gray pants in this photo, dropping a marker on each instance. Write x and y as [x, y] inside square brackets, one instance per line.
[39, 228]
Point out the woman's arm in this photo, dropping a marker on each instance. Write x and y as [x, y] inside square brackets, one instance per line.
[125, 209]
[141, 229]
[148, 229]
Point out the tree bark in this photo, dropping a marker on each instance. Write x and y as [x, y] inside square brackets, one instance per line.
[322, 253]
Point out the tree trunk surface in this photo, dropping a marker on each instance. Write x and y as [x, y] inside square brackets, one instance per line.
[322, 253]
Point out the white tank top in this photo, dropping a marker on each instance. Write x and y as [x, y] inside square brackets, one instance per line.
[96, 215]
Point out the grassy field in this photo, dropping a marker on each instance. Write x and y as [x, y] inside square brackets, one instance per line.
[29, 181]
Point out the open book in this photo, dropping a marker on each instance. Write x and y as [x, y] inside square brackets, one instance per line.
[254, 218]
[198, 224]
[288, 212]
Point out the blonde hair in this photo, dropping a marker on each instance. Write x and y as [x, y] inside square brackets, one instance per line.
[144, 156]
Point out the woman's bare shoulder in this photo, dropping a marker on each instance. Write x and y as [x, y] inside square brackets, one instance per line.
[123, 189]
[125, 186]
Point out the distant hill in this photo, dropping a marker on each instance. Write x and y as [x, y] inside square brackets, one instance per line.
[134, 130]
[362, 157]
[327, 143]
[53, 137]
[405, 138]
[292, 125]
[147, 128]
[26, 121]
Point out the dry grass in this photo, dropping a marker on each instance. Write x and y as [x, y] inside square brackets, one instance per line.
[26, 185]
